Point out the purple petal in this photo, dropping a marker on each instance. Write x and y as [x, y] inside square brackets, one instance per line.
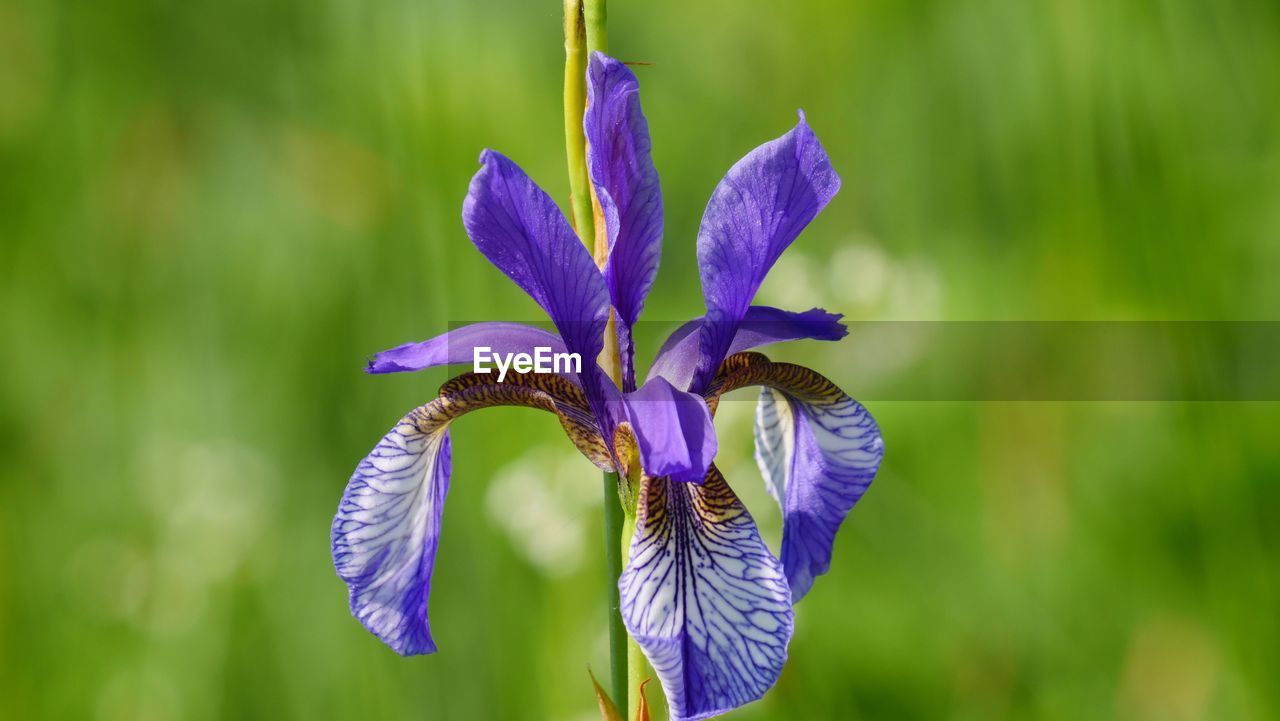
[387, 527]
[673, 430]
[385, 534]
[762, 204]
[678, 358]
[626, 183]
[705, 599]
[458, 346]
[818, 450]
[521, 231]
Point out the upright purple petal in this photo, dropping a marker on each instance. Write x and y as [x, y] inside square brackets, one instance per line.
[386, 533]
[759, 207]
[677, 360]
[626, 183]
[458, 346]
[521, 231]
[673, 430]
[705, 599]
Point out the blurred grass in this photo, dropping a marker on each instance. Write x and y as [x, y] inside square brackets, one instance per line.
[210, 213]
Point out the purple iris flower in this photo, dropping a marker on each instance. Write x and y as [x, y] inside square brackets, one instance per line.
[708, 602]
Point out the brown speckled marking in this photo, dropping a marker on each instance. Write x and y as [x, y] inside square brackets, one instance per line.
[755, 369]
[550, 392]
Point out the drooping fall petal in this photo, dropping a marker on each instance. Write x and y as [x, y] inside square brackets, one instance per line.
[818, 450]
[385, 534]
[705, 599]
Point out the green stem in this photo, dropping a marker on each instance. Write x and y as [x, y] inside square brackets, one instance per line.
[614, 523]
[584, 33]
[575, 103]
[596, 16]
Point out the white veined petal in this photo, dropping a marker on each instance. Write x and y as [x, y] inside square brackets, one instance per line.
[387, 529]
[705, 599]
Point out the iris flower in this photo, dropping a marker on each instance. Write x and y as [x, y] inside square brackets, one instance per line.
[707, 601]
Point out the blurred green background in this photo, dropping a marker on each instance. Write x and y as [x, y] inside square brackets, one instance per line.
[212, 212]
